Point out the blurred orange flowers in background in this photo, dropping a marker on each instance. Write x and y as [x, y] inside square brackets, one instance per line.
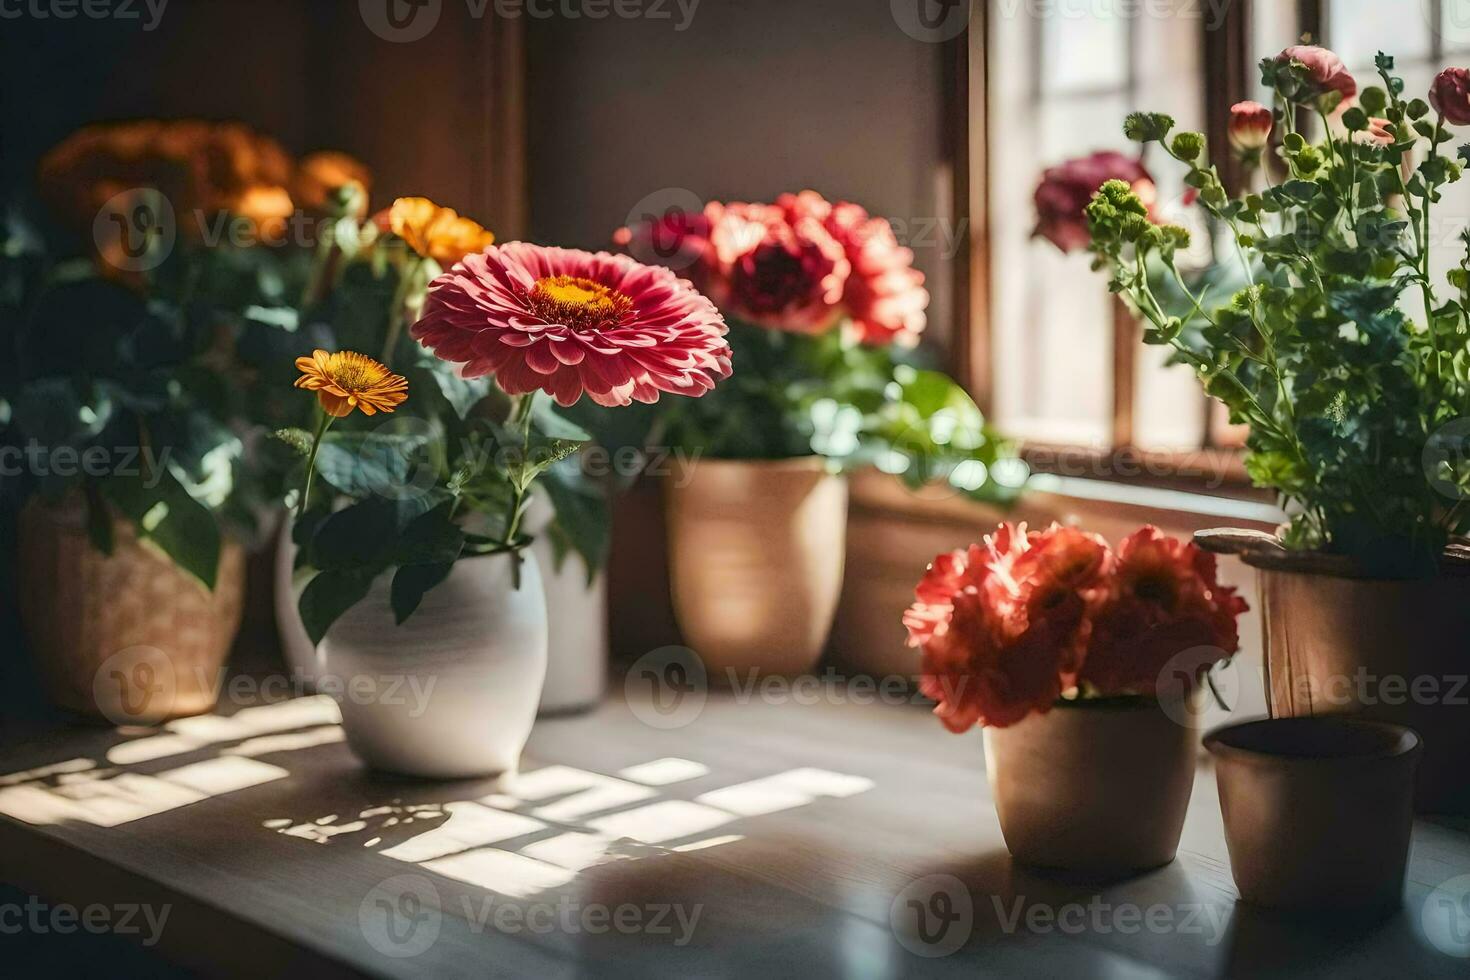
[322, 175]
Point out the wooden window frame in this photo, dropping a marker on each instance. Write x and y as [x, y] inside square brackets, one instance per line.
[1225, 55]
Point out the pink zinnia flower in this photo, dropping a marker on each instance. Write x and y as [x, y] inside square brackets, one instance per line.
[1061, 197]
[1325, 73]
[885, 294]
[777, 273]
[569, 322]
[678, 240]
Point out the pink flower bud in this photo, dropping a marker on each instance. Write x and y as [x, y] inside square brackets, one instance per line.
[1250, 126]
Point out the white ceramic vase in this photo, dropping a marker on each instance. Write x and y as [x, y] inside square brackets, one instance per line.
[452, 693]
[303, 659]
[577, 644]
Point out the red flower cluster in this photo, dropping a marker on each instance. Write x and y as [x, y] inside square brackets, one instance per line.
[1061, 197]
[801, 264]
[1008, 625]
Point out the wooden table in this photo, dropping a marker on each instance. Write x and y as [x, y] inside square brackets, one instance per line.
[782, 836]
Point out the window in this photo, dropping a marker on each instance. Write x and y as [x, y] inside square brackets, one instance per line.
[1060, 86]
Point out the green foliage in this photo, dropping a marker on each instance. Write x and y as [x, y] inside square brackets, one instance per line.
[798, 395]
[1337, 351]
[123, 395]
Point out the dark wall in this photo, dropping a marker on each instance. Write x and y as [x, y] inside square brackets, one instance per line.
[754, 98]
[213, 58]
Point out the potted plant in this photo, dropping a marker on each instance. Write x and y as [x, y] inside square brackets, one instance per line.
[1081, 665]
[819, 295]
[120, 400]
[423, 577]
[1347, 356]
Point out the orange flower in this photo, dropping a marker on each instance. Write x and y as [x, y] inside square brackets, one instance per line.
[321, 176]
[1002, 625]
[195, 164]
[1164, 618]
[267, 208]
[347, 380]
[434, 232]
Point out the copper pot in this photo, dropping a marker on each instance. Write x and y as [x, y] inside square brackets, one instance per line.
[1317, 811]
[128, 638]
[1096, 787]
[756, 550]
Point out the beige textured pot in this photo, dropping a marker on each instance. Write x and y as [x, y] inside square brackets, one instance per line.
[1096, 788]
[756, 551]
[1318, 812]
[127, 638]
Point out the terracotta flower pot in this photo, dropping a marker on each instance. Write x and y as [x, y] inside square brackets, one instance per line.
[1097, 788]
[1389, 650]
[128, 638]
[756, 550]
[1318, 811]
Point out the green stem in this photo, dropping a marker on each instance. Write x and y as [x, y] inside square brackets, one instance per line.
[520, 417]
[316, 445]
[396, 308]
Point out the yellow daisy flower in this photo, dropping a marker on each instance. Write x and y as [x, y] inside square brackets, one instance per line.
[347, 380]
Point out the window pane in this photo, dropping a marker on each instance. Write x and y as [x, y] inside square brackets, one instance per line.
[1082, 51]
[1454, 26]
[1052, 330]
[1359, 29]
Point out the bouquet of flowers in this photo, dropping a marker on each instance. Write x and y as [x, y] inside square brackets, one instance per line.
[1347, 353]
[1027, 619]
[823, 304]
[532, 319]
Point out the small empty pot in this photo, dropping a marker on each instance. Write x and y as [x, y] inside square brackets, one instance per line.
[1318, 811]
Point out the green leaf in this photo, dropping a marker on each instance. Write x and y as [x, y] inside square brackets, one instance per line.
[411, 582]
[583, 518]
[332, 593]
[364, 464]
[430, 539]
[167, 515]
[362, 535]
[1142, 127]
